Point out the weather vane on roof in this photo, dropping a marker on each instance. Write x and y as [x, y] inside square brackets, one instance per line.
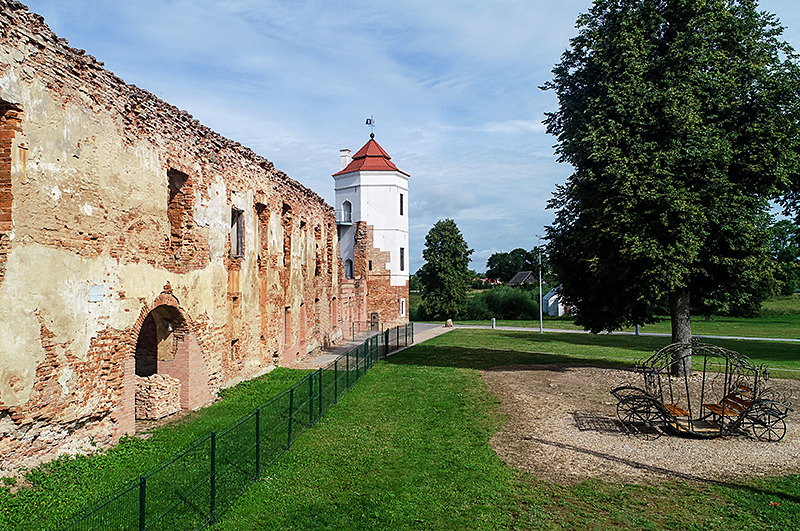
[371, 124]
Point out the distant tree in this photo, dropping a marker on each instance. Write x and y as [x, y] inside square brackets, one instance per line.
[503, 266]
[445, 276]
[785, 248]
[680, 119]
[500, 267]
[413, 283]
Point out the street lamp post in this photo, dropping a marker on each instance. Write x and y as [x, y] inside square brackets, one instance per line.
[541, 312]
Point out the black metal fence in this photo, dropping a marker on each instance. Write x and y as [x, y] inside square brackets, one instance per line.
[201, 481]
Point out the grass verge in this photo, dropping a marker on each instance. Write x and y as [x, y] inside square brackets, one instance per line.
[53, 492]
[409, 449]
[779, 326]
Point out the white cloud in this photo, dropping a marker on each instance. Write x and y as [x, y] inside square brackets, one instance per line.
[452, 84]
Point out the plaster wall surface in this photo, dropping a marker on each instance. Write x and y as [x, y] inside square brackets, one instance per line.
[118, 204]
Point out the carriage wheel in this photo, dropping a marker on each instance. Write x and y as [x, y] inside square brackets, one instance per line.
[640, 417]
[767, 423]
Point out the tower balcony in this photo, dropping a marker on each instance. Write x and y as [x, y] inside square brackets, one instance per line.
[344, 217]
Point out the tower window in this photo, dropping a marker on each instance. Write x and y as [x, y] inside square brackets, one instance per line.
[402, 258]
[401, 204]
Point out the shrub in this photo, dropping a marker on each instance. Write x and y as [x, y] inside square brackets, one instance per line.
[512, 303]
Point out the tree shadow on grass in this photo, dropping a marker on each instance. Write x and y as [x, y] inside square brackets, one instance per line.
[776, 355]
[483, 359]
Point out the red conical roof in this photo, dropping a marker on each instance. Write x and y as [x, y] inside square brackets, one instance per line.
[371, 157]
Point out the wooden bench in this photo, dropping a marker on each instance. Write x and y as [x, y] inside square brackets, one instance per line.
[676, 410]
[732, 405]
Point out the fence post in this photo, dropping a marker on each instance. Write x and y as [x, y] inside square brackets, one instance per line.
[258, 443]
[291, 415]
[213, 477]
[311, 399]
[357, 364]
[386, 342]
[142, 502]
[347, 372]
[412, 332]
[335, 380]
[319, 397]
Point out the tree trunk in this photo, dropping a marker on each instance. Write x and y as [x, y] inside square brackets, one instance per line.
[680, 315]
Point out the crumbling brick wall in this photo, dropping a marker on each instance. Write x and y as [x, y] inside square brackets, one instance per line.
[157, 396]
[370, 264]
[114, 203]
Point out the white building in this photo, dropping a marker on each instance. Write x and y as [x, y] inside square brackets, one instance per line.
[552, 304]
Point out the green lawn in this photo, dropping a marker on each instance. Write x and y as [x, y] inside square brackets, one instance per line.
[786, 326]
[65, 485]
[780, 318]
[408, 448]
[488, 348]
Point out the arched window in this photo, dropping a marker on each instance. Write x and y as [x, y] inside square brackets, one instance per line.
[348, 268]
[347, 212]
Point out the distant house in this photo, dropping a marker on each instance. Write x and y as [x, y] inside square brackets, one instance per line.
[523, 277]
[553, 305]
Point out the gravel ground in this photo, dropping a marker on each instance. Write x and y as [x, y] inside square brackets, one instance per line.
[563, 428]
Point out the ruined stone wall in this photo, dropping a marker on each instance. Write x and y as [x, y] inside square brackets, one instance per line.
[369, 264]
[114, 204]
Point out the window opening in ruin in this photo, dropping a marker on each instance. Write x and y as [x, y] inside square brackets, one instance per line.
[401, 204]
[370, 265]
[286, 323]
[402, 307]
[237, 232]
[178, 210]
[262, 230]
[402, 258]
[348, 268]
[286, 224]
[10, 119]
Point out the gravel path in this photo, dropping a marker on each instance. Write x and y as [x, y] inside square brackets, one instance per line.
[563, 428]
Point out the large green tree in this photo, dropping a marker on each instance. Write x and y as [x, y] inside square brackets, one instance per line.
[678, 117]
[445, 277]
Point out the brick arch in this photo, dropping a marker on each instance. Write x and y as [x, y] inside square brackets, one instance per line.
[165, 298]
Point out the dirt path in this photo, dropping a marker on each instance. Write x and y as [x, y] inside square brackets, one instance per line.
[563, 428]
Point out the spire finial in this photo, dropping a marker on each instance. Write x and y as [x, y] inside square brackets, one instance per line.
[371, 124]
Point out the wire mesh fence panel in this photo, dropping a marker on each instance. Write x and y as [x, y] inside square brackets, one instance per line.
[118, 513]
[298, 413]
[178, 495]
[236, 460]
[195, 486]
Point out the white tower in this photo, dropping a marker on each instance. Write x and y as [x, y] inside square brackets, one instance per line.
[372, 215]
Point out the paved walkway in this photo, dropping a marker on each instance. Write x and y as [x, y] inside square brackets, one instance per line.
[422, 332]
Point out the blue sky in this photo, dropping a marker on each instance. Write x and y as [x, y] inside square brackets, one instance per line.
[452, 85]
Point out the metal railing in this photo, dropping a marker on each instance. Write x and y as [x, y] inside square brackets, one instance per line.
[193, 488]
[344, 217]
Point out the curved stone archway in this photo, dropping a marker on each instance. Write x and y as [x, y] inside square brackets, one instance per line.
[158, 338]
[169, 369]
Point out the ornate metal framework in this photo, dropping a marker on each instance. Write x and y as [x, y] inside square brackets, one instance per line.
[728, 396]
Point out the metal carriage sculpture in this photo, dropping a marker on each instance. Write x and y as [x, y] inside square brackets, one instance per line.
[728, 396]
